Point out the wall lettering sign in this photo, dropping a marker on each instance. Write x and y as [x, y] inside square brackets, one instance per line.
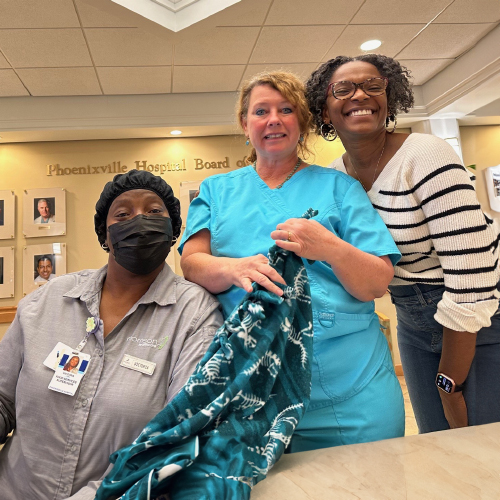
[116, 167]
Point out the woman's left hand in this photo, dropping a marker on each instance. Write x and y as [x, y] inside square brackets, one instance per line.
[305, 237]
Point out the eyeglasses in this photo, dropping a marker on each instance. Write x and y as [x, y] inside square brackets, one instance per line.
[346, 89]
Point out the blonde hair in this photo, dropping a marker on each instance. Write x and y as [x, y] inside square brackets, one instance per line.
[292, 89]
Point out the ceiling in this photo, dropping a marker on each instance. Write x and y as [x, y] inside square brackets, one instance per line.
[88, 49]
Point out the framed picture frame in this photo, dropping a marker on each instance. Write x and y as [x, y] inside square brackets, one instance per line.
[41, 263]
[492, 175]
[188, 192]
[44, 212]
[7, 215]
[6, 272]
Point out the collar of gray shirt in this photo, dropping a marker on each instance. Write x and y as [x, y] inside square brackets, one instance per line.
[163, 290]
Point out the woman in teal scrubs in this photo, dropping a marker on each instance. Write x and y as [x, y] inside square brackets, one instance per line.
[355, 395]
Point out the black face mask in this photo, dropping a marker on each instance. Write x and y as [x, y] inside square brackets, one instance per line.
[142, 243]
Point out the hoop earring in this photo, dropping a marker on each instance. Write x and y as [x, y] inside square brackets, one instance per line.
[105, 247]
[395, 120]
[330, 134]
[247, 143]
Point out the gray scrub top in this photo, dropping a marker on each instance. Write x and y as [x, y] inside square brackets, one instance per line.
[61, 444]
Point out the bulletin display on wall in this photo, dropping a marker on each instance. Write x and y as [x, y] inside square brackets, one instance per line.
[44, 212]
[41, 263]
[188, 192]
[7, 215]
[493, 186]
[6, 272]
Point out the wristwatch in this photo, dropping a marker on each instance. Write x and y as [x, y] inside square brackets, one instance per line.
[447, 384]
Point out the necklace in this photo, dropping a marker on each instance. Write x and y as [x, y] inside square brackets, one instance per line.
[289, 176]
[374, 173]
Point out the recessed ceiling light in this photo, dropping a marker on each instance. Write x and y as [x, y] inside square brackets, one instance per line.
[371, 45]
[176, 132]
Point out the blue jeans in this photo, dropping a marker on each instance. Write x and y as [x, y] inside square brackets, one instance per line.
[420, 339]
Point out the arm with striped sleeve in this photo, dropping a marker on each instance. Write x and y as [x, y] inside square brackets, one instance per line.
[466, 243]
[465, 239]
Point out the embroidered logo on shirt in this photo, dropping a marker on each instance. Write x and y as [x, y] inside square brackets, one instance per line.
[154, 343]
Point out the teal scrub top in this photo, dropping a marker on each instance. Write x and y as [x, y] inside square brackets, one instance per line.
[241, 211]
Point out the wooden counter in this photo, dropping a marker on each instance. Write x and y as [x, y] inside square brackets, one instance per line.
[461, 464]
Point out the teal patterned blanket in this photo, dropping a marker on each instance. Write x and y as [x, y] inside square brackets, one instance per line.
[236, 414]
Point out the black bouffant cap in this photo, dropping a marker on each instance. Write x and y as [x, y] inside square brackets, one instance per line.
[135, 179]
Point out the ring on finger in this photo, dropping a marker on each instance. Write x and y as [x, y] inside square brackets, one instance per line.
[289, 236]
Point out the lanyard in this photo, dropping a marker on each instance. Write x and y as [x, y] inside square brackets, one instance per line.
[91, 326]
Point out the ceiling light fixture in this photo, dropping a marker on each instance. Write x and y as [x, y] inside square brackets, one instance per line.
[176, 132]
[370, 45]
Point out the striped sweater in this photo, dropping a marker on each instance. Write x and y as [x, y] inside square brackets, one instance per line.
[426, 198]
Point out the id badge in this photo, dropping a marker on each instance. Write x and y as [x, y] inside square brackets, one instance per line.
[53, 359]
[70, 370]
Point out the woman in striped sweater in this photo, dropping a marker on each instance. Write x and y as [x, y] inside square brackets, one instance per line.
[445, 287]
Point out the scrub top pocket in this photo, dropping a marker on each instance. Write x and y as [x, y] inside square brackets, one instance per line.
[348, 351]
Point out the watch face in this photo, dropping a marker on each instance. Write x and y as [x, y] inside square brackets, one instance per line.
[444, 383]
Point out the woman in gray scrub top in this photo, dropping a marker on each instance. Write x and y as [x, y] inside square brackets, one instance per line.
[143, 327]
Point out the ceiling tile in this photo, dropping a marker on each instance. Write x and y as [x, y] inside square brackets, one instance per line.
[60, 81]
[137, 80]
[3, 62]
[207, 78]
[301, 70]
[294, 12]
[127, 47]
[92, 17]
[244, 13]
[38, 14]
[294, 44]
[41, 48]
[424, 69]
[221, 46]
[10, 85]
[444, 41]
[398, 11]
[465, 11]
[393, 38]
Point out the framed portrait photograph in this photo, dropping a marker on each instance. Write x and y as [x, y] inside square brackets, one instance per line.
[6, 272]
[7, 215]
[44, 212]
[189, 190]
[42, 263]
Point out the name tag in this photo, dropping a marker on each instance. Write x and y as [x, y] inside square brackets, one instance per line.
[137, 364]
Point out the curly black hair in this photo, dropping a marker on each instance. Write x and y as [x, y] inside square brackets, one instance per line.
[399, 91]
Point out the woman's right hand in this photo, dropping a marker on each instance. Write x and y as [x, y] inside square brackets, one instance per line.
[217, 274]
[246, 270]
